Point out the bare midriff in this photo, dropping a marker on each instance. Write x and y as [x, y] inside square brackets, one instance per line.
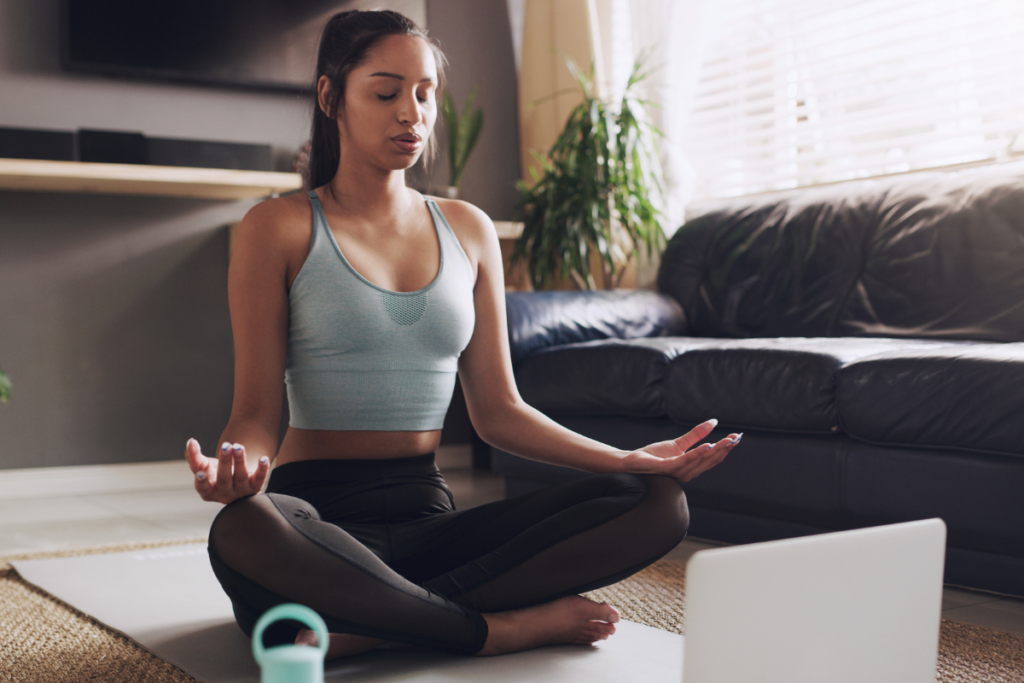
[313, 444]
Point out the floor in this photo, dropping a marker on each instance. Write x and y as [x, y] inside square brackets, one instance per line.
[74, 507]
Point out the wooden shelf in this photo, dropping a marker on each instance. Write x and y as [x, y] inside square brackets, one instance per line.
[167, 181]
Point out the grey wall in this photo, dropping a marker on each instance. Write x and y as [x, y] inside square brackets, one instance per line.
[113, 309]
[477, 39]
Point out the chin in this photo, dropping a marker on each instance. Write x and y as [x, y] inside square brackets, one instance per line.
[405, 163]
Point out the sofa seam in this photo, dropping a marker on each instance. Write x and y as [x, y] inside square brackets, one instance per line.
[871, 233]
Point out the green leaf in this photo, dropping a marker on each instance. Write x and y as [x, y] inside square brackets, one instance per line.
[5, 387]
[602, 167]
[463, 131]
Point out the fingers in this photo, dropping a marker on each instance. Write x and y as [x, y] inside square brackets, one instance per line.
[704, 457]
[696, 435]
[715, 454]
[202, 467]
[240, 476]
[227, 477]
[260, 475]
[225, 458]
[205, 475]
[194, 455]
[203, 481]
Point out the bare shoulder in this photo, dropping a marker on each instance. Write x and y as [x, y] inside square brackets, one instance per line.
[278, 229]
[471, 225]
[277, 217]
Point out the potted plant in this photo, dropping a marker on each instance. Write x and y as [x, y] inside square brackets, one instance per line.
[599, 192]
[463, 133]
[5, 387]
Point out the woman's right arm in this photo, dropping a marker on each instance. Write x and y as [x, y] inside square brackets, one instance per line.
[258, 300]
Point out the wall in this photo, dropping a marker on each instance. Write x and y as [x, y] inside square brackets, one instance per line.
[113, 309]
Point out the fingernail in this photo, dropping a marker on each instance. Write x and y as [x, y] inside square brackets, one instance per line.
[238, 446]
[201, 476]
[264, 460]
[737, 439]
[713, 423]
[188, 444]
[225, 446]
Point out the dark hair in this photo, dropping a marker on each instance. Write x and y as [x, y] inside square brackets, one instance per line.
[344, 44]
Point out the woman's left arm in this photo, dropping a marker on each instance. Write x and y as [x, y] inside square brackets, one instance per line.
[504, 420]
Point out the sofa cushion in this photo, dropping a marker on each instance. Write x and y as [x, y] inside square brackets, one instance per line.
[537, 320]
[782, 384]
[944, 260]
[967, 396]
[770, 267]
[935, 256]
[603, 377]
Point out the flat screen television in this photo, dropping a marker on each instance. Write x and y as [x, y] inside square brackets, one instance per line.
[268, 45]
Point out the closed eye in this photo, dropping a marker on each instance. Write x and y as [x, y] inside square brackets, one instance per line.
[388, 98]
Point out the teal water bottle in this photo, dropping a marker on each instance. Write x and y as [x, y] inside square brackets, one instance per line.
[291, 663]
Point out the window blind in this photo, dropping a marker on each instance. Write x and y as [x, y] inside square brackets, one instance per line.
[794, 93]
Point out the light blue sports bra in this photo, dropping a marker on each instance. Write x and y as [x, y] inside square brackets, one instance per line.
[364, 357]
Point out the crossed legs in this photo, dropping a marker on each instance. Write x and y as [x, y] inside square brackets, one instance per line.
[478, 581]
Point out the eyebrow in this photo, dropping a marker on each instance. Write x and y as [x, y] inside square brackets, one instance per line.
[398, 76]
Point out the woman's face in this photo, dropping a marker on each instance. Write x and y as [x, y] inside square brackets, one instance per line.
[389, 110]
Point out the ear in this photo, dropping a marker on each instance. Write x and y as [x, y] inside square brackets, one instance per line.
[323, 94]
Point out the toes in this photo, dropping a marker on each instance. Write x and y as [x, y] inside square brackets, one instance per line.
[596, 611]
[306, 637]
[601, 627]
[607, 613]
[590, 637]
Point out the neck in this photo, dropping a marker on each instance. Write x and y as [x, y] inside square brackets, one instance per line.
[370, 195]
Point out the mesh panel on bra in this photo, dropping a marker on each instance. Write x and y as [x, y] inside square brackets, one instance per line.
[405, 310]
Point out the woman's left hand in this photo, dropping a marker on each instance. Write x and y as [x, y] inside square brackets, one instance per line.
[676, 457]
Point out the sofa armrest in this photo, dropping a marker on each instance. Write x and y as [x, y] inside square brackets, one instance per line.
[537, 320]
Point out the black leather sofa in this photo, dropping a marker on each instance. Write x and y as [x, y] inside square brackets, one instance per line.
[866, 338]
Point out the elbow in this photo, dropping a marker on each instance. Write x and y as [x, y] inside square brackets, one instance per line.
[493, 420]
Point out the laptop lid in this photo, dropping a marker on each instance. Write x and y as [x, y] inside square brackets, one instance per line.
[859, 605]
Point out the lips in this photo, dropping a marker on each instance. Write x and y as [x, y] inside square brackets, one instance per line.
[408, 142]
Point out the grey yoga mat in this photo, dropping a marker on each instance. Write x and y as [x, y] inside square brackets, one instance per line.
[168, 601]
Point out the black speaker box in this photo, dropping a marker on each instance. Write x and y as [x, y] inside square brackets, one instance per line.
[111, 146]
[127, 147]
[37, 143]
[209, 154]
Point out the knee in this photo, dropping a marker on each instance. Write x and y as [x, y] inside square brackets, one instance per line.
[250, 525]
[667, 506]
[232, 524]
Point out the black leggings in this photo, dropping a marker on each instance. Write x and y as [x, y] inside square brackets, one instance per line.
[378, 549]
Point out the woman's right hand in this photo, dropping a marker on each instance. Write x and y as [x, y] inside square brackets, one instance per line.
[225, 478]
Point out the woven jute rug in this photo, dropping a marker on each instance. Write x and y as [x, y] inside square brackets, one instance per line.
[43, 639]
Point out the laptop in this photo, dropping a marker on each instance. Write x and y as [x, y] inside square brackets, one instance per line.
[861, 605]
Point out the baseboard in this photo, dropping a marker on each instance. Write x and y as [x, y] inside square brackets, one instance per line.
[80, 480]
[84, 480]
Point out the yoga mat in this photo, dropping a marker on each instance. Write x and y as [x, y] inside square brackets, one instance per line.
[168, 601]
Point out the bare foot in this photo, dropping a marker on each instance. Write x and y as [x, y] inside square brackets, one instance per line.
[572, 619]
[341, 644]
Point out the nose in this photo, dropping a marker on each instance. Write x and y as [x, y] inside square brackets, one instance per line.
[410, 112]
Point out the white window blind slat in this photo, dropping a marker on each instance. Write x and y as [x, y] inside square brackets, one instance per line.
[880, 113]
[800, 92]
[1006, 43]
[987, 43]
[982, 138]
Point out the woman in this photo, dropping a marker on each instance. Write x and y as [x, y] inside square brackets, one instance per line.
[369, 316]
